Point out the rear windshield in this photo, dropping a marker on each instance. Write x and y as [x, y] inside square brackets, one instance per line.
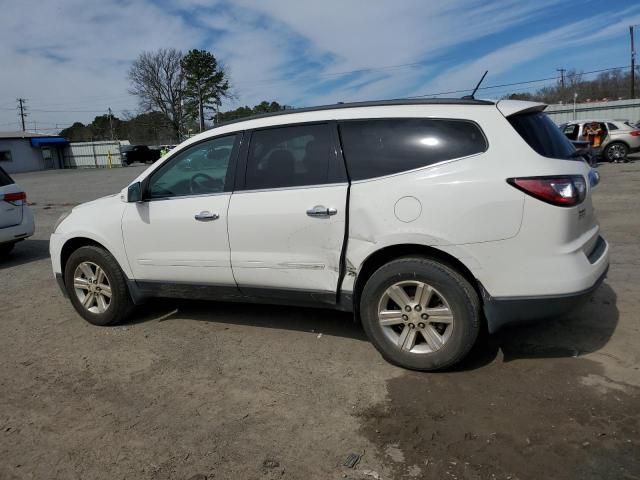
[5, 179]
[539, 131]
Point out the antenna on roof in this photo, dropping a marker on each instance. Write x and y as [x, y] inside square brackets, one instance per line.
[471, 97]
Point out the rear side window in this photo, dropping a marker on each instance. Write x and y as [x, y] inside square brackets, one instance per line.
[374, 148]
[611, 126]
[5, 179]
[288, 157]
[539, 131]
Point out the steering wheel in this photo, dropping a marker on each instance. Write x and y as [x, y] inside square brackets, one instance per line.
[196, 187]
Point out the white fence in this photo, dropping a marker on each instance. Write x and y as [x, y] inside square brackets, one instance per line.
[612, 110]
[93, 154]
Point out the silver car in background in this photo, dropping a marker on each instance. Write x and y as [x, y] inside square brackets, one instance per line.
[16, 218]
[612, 140]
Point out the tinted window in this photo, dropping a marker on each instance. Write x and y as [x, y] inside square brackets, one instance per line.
[288, 157]
[200, 169]
[539, 131]
[611, 126]
[5, 179]
[374, 148]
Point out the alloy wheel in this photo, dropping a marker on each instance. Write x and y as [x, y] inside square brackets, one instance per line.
[92, 288]
[415, 317]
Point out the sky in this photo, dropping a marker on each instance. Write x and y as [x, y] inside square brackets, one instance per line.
[69, 58]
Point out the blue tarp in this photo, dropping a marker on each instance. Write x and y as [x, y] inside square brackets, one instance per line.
[49, 141]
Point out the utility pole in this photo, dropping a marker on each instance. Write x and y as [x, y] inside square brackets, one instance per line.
[633, 65]
[111, 123]
[561, 70]
[21, 102]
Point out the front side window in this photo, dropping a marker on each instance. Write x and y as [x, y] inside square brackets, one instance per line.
[288, 157]
[571, 131]
[198, 170]
[374, 148]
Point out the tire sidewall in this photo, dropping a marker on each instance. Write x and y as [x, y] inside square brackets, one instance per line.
[461, 299]
[606, 152]
[118, 300]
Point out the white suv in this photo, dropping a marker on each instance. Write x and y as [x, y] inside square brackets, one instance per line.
[16, 218]
[424, 218]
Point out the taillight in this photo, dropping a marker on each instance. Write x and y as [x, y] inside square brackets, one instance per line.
[562, 191]
[635, 133]
[14, 196]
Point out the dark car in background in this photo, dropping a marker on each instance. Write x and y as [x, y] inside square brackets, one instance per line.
[138, 153]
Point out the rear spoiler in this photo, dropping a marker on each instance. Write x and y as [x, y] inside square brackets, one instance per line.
[515, 107]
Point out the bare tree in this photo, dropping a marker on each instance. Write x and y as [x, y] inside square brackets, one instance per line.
[157, 80]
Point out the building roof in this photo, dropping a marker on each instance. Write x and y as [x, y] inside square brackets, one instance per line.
[27, 135]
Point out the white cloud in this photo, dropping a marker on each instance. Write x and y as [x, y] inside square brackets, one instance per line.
[74, 54]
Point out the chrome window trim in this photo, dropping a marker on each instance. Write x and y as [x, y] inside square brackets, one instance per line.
[178, 197]
[299, 187]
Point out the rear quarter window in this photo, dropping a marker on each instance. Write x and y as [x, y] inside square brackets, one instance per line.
[539, 131]
[5, 179]
[375, 148]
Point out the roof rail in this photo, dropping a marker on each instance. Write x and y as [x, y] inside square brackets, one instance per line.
[375, 103]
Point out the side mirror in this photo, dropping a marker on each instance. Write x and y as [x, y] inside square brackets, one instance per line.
[134, 193]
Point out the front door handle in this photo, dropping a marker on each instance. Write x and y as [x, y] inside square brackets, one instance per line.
[321, 211]
[206, 216]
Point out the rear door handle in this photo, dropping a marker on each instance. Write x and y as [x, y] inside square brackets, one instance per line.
[321, 211]
[206, 216]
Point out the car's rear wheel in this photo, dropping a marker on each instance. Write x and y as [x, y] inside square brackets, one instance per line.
[420, 314]
[616, 152]
[97, 287]
[6, 248]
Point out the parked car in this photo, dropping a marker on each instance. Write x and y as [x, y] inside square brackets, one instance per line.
[612, 140]
[139, 153]
[16, 218]
[424, 218]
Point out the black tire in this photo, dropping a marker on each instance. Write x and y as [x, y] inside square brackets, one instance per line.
[120, 306]
[462, 300]
[5, 249]
[623, 151]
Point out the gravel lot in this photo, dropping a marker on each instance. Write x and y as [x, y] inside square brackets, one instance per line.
[231, 391]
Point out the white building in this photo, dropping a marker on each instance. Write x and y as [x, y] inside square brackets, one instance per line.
[26, 151]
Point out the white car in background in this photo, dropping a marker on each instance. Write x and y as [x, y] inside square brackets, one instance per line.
[16, 218]
[427, 219]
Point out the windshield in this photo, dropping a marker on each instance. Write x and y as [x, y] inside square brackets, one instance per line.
[539, 131]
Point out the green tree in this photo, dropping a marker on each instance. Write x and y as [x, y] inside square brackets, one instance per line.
[206, 83]
[78, 132]
[241, 112]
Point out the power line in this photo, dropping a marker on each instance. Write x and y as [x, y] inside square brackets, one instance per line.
[525, 82]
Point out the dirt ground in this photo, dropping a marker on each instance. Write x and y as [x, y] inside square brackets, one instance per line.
[228, 391]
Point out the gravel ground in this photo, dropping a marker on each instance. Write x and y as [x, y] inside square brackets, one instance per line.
[262, 392]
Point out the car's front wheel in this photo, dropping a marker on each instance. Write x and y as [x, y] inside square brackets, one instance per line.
[420, 314]
[97, 287]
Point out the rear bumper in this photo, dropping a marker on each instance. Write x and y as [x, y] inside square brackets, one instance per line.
[513, 310]
[21, 231]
